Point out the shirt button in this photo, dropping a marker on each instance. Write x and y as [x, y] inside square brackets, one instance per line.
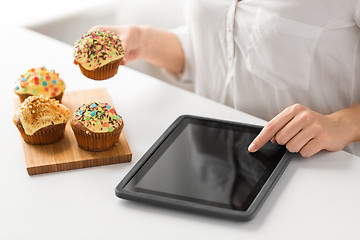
[229, 29]
[229, 57]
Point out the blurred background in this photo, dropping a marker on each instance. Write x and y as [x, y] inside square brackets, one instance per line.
[67, 20]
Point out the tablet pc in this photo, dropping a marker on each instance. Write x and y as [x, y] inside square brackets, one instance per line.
[202, 165]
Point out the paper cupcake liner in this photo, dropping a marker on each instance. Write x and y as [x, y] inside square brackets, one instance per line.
[105, 72]
[46, 135]
[22, 97]
[96, 142]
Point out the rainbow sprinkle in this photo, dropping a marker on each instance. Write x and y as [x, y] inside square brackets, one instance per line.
[98, 117]
[40, 81]
[97, 48]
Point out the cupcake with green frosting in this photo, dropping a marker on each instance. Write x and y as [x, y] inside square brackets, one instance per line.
[96, 126]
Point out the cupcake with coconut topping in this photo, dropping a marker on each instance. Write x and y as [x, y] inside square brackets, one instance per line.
[41, 120]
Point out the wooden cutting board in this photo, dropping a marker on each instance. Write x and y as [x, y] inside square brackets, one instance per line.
[66, 154]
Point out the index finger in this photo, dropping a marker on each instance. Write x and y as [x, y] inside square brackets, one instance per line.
[270, 130]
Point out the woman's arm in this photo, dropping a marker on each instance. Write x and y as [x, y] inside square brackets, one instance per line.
[308, 132]
[151, 44]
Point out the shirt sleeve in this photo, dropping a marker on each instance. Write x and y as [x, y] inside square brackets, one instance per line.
[357, 14]
[182, 33]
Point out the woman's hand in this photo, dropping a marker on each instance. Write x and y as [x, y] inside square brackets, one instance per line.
[308, 132]
[157, 46]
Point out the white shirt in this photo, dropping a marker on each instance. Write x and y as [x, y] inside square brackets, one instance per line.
[261, 56]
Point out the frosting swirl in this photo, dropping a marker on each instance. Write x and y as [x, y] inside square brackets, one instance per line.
[40, 81]
[98, 117]
[97, 48]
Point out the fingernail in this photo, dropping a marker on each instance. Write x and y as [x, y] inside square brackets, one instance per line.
[251, 148]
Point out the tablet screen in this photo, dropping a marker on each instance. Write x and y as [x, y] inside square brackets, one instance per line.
[207, 162]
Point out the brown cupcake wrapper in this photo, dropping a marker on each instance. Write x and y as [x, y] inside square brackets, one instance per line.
[102, 73]
[46, 135]
[22, 97]
[96, 142]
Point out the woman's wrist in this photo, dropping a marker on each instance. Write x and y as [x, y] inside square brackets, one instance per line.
[145, 36]
[151, 39]
[161, 48]
[349, 121]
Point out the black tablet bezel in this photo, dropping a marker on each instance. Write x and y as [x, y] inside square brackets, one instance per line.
[192, 206]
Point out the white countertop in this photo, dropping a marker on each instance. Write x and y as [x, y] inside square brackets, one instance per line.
[316, 198]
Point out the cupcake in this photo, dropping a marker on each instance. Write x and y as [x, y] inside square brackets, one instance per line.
[41, 120]
[96, 126]
[98, 54]
[40, 81]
